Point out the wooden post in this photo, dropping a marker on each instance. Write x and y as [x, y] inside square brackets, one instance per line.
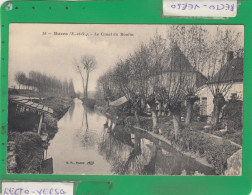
[40, 123]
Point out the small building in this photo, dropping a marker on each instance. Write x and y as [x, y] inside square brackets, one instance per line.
[120, 101]
[177, 68]
[230, 76]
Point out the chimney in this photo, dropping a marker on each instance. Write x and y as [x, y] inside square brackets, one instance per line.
[230, 56]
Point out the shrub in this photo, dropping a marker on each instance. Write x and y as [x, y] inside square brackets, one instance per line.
[89, 102]
[196, 111]
[216, 151]
[29, 151]
[232, 115]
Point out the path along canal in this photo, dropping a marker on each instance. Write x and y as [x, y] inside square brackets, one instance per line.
[83, 145]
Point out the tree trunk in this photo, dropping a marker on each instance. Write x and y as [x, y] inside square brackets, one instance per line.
[176, 112]
[83, 85]
[219, 102]
[176, 125]
[154, 115]
[136, 113]
[151, 101]
[141, 107]
[87, 85]
[190, 100]
[189, 112]
[159, 108]
[165, 110]
[216, 115]
[137, 145]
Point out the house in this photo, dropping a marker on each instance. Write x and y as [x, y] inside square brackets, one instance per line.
[229, 78]
[176, 67]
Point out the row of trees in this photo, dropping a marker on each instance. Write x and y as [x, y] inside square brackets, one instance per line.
[165, 70]
[44, 83]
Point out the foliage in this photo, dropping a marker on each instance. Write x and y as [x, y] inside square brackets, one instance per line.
[221, 48]
[59, 105]
[232, 115]
[196, 111]
[29, 151]
[20, 78]
[234, 136]
[216, 152]
[45, 83]
[220, 67]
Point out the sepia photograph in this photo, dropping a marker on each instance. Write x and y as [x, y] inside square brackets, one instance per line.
[123, 99]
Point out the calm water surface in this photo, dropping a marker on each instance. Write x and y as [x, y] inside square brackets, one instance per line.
[85, 145]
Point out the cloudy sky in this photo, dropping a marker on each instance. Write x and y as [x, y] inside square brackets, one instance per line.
[53, 54]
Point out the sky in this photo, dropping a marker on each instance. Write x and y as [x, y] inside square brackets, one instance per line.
[32, 47]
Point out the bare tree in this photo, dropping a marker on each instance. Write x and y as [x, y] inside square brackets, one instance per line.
[124, 81]
[80, 70]
[139, 71]
[85, 66]
[158, 52]
[192, 42]
[172, 85]
[89, 64]
[138, 76]
[106, 90]
[129, 77]
[219, 68]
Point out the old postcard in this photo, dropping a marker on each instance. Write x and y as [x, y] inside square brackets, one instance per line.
[114, 99]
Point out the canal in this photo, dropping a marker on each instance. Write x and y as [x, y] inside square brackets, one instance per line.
[84, 145]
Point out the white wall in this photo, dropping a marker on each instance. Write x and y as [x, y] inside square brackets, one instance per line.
[205, 92]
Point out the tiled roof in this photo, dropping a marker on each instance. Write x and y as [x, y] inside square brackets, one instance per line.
[178, 61]
[232, 71]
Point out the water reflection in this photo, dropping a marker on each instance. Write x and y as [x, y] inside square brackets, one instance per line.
[86, 136]
[71, 110]
[133, 153]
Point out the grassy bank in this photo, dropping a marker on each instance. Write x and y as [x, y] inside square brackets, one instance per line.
[60, 105]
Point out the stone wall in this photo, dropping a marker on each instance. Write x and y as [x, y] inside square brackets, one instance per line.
[234, 164]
